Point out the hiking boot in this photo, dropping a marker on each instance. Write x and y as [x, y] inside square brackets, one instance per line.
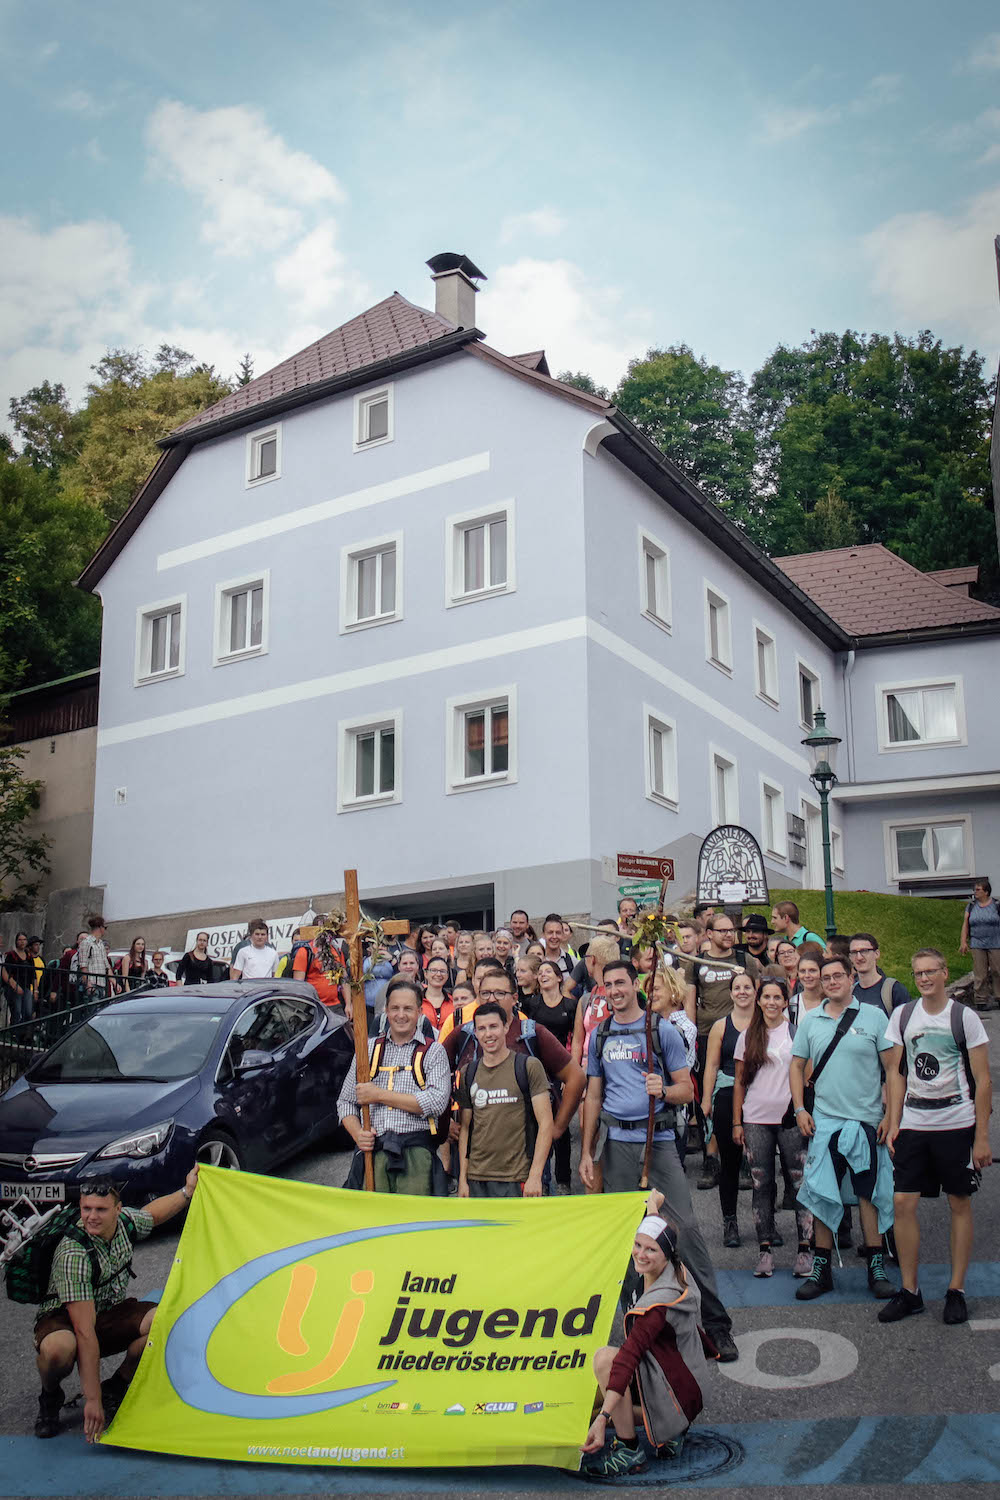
[820, 1278]
[731, 1234]
[955, 1310]
[903, 1305]
[803, 1264]
[112, 1395]
[765, 1266]
[878, 1282]
[617, 1461]
[709, 1174]
[724, 1343]
[47, 1422]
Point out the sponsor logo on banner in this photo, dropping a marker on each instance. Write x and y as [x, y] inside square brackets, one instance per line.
[455, 1411]
[532, 1406]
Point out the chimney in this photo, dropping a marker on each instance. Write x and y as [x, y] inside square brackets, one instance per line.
[454, 277]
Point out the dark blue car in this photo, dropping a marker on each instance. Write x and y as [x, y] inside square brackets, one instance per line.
[235, 1074]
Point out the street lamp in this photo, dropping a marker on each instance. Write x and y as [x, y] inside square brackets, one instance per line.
[822, 747]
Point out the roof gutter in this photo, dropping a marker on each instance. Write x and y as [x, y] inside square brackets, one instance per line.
[970, 628]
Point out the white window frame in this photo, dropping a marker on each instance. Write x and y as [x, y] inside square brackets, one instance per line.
[350, 556]
[761, 635]
[254, 442]
[348, 733]
[362, 401]
[803, 667]
[144, 616]
[715, 755]
[882, 691]
[889, 828]
[836, 849]
[653, 718]
[455, 527]
[779, 849]
[221, 655]
[455, 710]
[722, 663]
[651, 546]
[812, 816]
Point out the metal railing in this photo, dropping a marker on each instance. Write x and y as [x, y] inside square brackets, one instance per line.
[22, 1044]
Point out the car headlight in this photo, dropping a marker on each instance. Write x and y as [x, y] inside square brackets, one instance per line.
[143, 1143]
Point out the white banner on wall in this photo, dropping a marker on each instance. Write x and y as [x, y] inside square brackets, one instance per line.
[222, 940]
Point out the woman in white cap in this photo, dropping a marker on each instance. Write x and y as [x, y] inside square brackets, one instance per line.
[654, 1375]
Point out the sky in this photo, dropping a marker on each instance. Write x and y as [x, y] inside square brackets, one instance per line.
[233, 177]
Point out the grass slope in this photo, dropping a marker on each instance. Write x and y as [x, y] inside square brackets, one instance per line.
[902, 924]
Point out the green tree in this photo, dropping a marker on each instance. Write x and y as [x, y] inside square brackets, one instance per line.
[23, 854]
[584, 382]
[696, 414]
[950, 530]
[50, 432]
[244, 374]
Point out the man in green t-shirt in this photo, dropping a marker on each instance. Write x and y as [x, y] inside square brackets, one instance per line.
[496, 1158]
[786, 922]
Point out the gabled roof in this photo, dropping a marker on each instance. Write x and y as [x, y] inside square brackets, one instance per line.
[871, 592]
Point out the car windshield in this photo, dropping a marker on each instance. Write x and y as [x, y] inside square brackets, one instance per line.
[130, 1048]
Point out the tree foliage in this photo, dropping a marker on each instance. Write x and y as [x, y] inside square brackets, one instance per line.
[23, 854]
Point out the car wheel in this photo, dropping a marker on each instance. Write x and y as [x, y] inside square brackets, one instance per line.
[218, 1150]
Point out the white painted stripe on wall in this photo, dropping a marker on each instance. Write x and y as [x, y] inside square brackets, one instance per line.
[686, 690]
[392, 489]
[444, 659]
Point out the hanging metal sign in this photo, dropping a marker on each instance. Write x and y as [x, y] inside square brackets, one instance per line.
[731, 868]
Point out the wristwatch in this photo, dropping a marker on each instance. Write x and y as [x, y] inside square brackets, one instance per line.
[184, 1191]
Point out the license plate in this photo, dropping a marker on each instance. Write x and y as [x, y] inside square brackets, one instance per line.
[38, 1192]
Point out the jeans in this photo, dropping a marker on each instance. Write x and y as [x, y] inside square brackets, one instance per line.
[22, 1007]
[761, 1143]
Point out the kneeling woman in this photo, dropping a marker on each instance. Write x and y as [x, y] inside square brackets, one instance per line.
[654, 1375]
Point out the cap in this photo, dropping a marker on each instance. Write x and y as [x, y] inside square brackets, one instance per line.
[757, 924]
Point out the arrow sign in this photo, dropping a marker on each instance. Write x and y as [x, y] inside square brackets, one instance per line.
[644, 867]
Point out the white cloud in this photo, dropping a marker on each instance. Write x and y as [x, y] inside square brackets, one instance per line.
[80, 102]
[538, 223]
[939, 271]
[315, 276]
[987, 53]
[252, 186]
[58, 282]
[785, 122]
[530, 304]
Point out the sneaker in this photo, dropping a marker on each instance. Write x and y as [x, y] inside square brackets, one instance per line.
[47, 1422]
[803, 1264]
[777, 1239]
[672, 1449]
[878, 1282]
[731, 1234]
[725, 1344]
[955, 1310]
[819, 1281]
[615, 1462]
[765, 1266]
[709, 1174]
[903, 1305]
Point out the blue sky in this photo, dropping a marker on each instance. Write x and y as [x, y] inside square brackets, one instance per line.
[243, 176]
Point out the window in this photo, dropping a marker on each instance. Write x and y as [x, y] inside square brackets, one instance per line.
[929, 849]
[159, 640]
[241, 618]
[370, 761]
[373, 418]
[772, 819]
[481, 733]
[718, 639]
[724, 793]
[371, 584]
[837, 850]
[480, 558]
[661, 758]
[917, 714]
[264, 455]
[654, 580]
[766, 665]
[809, 694]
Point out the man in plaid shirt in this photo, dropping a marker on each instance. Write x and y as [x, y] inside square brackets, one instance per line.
[82, 1321]
[411, 1087]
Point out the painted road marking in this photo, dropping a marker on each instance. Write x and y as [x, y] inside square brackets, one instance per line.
[838, 1358]
[987, 1325]
[743, 1289]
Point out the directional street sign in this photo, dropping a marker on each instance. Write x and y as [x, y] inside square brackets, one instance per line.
[641, 890]
[644, 867]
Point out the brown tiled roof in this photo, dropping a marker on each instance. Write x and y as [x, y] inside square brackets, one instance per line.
[389, 328]
[956, 577]
[870, 591]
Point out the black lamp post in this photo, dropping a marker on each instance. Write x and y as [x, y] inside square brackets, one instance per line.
[822, 747]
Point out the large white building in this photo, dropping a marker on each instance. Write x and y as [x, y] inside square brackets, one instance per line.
[407, 604]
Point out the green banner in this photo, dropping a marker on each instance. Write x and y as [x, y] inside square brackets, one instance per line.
[311, 1325]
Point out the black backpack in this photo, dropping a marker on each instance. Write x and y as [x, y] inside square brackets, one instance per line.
[30, 1266]
[521, 1078]
[604, 1028]
[957, 1020]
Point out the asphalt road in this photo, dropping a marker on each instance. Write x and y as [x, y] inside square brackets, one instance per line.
[824, 1401]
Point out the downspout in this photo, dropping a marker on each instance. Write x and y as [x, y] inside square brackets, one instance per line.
[849, 712]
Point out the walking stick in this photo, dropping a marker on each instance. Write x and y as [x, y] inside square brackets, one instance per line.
[360, 1009]
[644, 1179]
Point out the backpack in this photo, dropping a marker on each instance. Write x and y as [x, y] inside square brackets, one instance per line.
[604, 1027]
[957, 1019]
[521, 1077]
[528, 1032]
[286, 964]
[439, 1127]
[29, 1265]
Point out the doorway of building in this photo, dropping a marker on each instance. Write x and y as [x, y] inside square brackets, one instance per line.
[472, 906]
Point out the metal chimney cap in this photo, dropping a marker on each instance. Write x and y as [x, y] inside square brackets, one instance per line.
[448, 260]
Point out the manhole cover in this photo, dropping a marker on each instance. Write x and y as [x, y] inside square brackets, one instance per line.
[704, 1453]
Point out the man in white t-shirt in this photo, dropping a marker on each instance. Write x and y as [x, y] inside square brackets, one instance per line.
[938, 1126]
[258, 960]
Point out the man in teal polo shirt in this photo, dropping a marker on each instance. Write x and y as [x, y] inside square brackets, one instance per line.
[847, 1160]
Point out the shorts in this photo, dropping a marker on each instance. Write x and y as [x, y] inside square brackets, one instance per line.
[116, 1327]
[927, 1161]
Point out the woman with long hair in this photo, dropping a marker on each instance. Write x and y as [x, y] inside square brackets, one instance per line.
[423, 942]
[196, 966]
[552, 1008]
[482, 946]
[437, 1003]
[763, 1121]
[133, 966]
[463, 955]
[526, 978]
[717, 1099]
[669, 995]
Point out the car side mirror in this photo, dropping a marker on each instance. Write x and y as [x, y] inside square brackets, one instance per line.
[252, 1060]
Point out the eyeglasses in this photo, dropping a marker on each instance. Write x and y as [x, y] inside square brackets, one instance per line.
[856, 952]
[494, 994]
[927, 973]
